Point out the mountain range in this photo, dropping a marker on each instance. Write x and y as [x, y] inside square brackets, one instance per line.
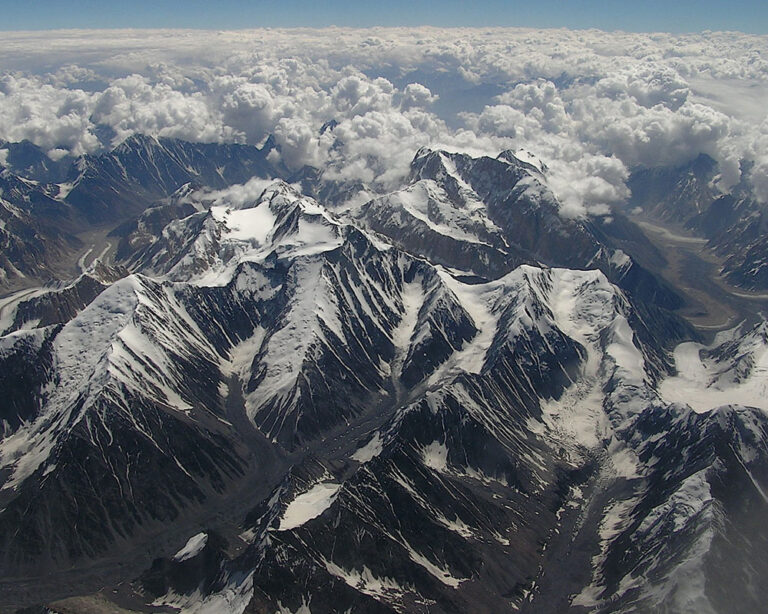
[229, 386]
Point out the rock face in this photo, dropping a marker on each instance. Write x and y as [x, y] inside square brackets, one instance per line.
[144, 169]
[447, 399]
[34, 230]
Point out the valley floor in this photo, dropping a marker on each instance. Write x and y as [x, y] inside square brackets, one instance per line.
[693, 269]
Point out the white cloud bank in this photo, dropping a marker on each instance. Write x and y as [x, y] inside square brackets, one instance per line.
[591, 105]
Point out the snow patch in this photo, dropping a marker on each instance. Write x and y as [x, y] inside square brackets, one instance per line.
[253, 225]
[435, 456]
[382, 589]
[241, 356]
[629, 361]
[309, 505]
[370, 450]
[477, 300]
[9, 303]
[413, 298]
[303, 608]
[619, 259]
[192, 548]
[438, 572]
[233, 599]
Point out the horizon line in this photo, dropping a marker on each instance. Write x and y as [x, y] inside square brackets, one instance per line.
[333, 27]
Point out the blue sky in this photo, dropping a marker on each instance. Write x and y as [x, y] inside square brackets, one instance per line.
[638, 16]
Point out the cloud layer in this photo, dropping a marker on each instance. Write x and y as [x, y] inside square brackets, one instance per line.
[589, 104]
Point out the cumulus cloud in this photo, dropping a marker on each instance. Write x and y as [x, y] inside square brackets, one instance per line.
[249, 108]
[589, 185]
[300, 143]
[759, 179]
[418, 96]
[236, 196]
[591, 105]
[647, 85]
[758, 174]
[46, 115]
[134, 104]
